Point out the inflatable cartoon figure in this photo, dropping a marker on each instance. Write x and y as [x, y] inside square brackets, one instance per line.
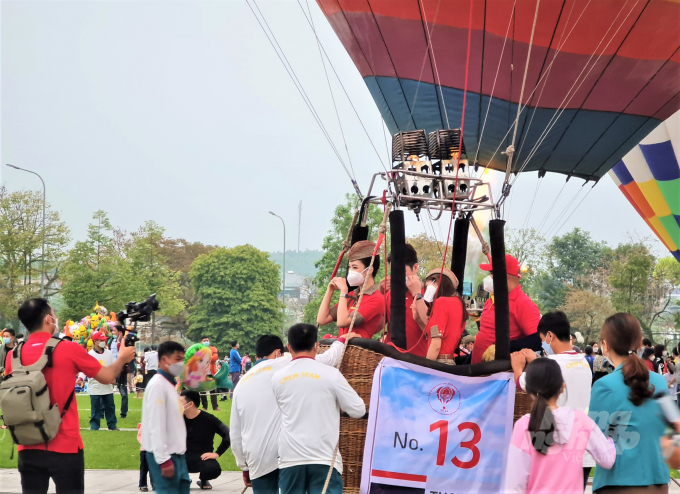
[196, 368]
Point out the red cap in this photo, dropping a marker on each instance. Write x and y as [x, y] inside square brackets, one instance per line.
[98, 335]
[326, 336]
[511, 266]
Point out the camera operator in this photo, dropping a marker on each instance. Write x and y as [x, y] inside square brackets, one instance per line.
[122, 380]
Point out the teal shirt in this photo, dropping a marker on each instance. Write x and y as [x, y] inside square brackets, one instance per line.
[635, 430]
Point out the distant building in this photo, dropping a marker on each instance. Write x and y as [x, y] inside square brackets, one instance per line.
[294, 284]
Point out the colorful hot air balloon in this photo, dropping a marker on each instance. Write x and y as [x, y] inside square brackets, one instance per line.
[613, 66]
[649, 177]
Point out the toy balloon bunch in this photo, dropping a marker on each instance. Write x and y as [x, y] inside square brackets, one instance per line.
[99, 320]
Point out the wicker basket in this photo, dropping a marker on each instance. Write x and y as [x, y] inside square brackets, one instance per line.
[523, 403]
[352, 439]
[362, 386]
[358, 362]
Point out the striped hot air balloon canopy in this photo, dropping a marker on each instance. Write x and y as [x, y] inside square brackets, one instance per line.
[649, 177]
[601, 73]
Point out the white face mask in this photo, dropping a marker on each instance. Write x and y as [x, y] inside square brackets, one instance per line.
[102, 344]
[176, 369]
[355, 278]
[430, 292]
[487, 284]
[56, 325]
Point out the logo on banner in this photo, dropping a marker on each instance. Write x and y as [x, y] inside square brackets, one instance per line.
[444, 399]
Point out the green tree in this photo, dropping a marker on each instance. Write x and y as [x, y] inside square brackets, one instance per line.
[180, 254]
[96, 271]
[631, 277]
[430, 253]
[529, 248]
[237, 291]
[332, 246]
[572, 261]
[151, 273]
[574, 256]
[21, 237]
[586, 311]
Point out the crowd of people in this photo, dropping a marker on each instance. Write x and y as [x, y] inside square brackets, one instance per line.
[601, 410]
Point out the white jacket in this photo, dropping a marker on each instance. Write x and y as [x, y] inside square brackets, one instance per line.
[163, 430]
[310, 396]
[255, 417]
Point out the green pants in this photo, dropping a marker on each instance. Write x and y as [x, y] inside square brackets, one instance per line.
[267, 484]
[308, 479]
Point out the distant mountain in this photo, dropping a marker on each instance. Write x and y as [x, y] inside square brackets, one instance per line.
[300, 263]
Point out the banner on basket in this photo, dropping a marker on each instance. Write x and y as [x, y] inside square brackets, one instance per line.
[436, 432]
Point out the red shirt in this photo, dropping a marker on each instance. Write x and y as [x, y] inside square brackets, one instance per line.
[416, 340]
[447, 315]
[372, 309]
[650, 364]
[524, 318]
[68, 360]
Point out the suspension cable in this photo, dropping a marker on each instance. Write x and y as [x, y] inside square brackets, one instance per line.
[330, 88]
[567, 99]
[291, 73]
[495, 79]
[340, 81]
[511, 149]
[434, 61]
[559, 49]
[545, 84]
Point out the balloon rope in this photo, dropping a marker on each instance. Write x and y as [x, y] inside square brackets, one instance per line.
[511, 149]
[381, 236]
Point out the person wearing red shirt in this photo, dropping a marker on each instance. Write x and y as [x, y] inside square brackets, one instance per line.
[446, 317]
[416, 338]
[370, 317]
[524, 313]
[63, 460]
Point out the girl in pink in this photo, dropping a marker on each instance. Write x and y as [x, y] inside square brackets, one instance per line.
[546, 451]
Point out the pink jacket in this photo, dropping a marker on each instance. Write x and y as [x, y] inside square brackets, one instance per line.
[561, 470]
[139, 436]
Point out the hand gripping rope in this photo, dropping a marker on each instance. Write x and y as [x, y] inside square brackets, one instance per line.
[381, 237]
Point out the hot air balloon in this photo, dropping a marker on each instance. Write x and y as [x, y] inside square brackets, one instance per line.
[599, 77]
[649, 177]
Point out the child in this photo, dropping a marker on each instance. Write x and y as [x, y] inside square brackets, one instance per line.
[139, 390]
[143, 466]
[80, 384]
[546, 451]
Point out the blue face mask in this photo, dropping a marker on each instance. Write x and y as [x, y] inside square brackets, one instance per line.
[547, 348]
[206, 343]
[6, 341]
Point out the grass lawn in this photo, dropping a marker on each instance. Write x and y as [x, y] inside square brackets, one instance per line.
[115, 450]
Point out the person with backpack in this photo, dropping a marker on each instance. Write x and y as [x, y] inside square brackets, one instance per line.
[52, 447]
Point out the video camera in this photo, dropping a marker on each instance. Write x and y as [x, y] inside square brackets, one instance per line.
[137, 311]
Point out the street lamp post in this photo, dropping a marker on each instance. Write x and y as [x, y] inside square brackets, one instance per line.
[283, 291]
[42, 268]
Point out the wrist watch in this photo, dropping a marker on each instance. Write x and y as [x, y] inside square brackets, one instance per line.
[345, 295]
[418, 296]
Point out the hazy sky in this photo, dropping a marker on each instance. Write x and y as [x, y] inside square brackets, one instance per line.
[182, 113]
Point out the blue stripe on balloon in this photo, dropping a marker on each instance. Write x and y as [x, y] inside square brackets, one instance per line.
[676, 254]
[587, 143]
[661, 160]
[622, 173]
[677, 219]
